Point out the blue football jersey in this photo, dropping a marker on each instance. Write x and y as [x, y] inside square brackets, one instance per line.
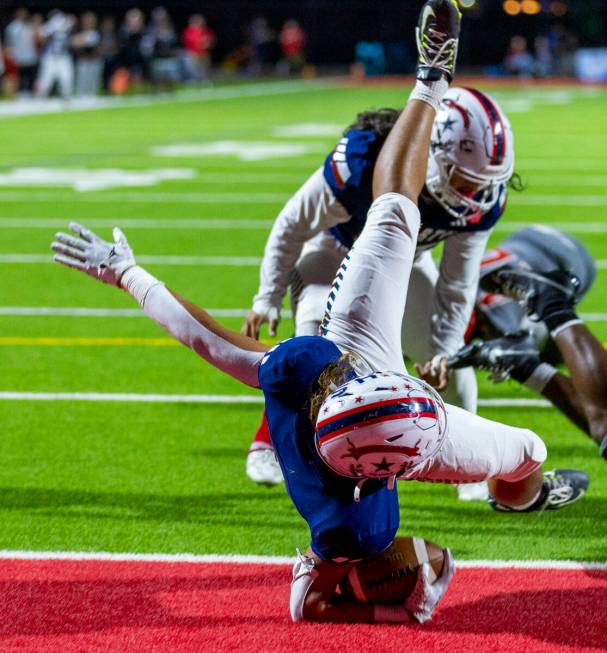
[348, 171]
[340, 528]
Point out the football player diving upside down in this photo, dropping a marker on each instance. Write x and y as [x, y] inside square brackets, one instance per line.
[345, 418]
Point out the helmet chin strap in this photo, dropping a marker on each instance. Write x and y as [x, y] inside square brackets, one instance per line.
[359, 485]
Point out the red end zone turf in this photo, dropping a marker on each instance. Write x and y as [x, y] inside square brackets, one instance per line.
[57, 605]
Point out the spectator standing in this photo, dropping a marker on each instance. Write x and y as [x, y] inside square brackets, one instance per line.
[160, 44]
[85, 43]
[263, 41]
[56, 64]
[108, 50]
[518, 59]
[198, 39]
[543, 66]
[130, 38]
[20, 43]
[292, 45]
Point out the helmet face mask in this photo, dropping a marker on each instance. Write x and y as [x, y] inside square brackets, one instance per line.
[472, 145]
[379, 426]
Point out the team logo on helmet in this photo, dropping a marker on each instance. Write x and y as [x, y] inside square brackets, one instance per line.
[380, 425]
[471, 154]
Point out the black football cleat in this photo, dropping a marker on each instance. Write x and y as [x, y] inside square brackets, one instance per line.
[561, 488]
[515, 354]
[603, 448]
[437, 36]
[540, 294]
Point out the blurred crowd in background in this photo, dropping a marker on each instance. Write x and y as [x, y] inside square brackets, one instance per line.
[87, 55]
[92, 54]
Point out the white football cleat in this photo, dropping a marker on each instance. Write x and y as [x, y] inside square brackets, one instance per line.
[263, 468]
[473, 491]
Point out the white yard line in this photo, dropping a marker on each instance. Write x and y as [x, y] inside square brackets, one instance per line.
[209, 399]
[224, 261]
[247, 559]
[76, 311]
[43, 107]
[134, 223]
[504, 226]
[132, 397]
[148, 198]
[202, 197]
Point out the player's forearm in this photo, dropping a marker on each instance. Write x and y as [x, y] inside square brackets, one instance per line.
[304, 216]
[562, 393]
[233, 353]
[456, 290]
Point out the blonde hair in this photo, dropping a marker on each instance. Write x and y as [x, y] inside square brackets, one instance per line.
[334, 375]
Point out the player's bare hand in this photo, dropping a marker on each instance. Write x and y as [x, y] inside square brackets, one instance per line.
[253, 322]
[422, 602]
[434, 372]
[87, 252]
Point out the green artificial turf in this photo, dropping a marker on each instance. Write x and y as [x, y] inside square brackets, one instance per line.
[170, 477]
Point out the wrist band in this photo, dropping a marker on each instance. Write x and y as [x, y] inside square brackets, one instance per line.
[540, 377]
[137, 282]
[566, 325]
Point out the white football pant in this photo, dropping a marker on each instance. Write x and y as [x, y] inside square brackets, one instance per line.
[365, 316]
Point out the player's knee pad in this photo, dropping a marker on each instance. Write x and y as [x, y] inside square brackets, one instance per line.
[531, 453]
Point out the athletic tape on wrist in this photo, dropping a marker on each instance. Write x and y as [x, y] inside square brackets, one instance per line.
[137, 282]
[570, 323]
[430, 92]
[540, 377]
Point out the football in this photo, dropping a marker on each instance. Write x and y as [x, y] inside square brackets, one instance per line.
[391, 576]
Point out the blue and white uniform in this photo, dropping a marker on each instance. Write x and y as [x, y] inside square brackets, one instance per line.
[321, 222]
[365, 319]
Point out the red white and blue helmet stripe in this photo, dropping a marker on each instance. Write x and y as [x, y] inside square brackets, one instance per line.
[498, 129]
[375, 413]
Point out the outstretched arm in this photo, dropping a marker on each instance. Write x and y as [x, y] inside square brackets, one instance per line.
[114, 264]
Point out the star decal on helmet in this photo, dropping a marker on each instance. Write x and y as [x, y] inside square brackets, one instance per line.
[448, 124]
[383, 466]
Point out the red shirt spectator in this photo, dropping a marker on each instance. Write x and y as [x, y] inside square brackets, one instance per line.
[198, 39]
[292, 39]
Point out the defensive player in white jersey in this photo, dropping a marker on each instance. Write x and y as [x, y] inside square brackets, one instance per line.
[343, 426]
[470, 164]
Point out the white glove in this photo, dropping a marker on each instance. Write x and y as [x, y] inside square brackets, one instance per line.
[89, 253]
[426, 595]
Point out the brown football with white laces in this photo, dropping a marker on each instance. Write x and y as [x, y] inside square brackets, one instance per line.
[391, 576]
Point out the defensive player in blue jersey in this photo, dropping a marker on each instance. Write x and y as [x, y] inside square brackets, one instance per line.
[527, 350]
[470, 165]
[343, 426]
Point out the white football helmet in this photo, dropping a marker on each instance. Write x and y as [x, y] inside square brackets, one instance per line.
[380, 426]
[472, 140]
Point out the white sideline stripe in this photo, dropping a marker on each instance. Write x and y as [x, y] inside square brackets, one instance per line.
[505, 226]
[246, 559]
[233, 261]
[153, 197]
[51, 311]
[208, 399]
